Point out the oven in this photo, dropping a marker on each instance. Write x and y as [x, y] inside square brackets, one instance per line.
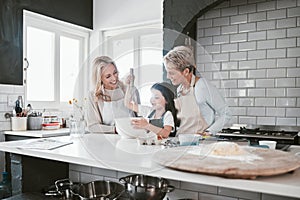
[283, 135]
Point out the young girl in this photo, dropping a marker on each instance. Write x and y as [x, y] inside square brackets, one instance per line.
[161, 117]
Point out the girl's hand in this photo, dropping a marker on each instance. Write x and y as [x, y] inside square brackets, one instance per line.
[141, 123]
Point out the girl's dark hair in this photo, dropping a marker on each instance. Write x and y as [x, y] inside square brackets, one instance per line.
[168, 92]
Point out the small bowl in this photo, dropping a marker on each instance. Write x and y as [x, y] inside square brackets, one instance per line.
[189, 139]
[270, 144]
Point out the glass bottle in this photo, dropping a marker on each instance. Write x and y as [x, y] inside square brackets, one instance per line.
[5, 186]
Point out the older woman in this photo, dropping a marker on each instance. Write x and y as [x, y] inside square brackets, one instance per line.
[201, 108]
[106, 101]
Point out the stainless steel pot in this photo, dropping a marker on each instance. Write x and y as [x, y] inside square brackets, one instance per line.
[106, 190]
[142, 187]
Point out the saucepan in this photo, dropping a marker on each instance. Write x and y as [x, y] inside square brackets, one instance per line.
[142, 187]
[100, 190]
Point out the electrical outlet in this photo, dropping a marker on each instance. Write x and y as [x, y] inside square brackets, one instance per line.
[11, 100]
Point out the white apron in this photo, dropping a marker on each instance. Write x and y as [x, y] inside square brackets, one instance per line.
[114, 109]
[191, 120]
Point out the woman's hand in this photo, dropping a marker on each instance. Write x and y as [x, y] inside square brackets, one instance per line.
[141, 123]
[129, 79]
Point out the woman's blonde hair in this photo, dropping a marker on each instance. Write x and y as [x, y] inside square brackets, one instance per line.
[98, 64]
[182, 57]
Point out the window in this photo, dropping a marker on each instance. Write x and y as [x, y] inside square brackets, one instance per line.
[141, 48]
[56, 52]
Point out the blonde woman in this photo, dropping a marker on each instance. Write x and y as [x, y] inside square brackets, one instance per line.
[106, 101]
[201, 108]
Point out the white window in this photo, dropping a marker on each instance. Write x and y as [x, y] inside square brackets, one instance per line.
[56, 52]
[141, 48]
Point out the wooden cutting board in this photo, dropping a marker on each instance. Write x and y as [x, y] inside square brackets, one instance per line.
[270, 162]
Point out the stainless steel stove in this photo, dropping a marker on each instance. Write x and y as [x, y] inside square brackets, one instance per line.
[284, 135]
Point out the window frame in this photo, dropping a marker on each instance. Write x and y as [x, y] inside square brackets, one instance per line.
[59, 28]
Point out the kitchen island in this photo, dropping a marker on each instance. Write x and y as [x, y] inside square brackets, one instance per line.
[119, 156]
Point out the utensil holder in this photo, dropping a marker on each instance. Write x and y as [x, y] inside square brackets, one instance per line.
[19, 123]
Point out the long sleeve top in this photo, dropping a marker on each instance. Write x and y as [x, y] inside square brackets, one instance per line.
[95, 112]
[212, 105]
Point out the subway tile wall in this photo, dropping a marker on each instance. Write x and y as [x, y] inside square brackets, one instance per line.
[183, 190]
[250, 49]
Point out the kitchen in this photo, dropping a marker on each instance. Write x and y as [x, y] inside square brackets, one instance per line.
[262, 90]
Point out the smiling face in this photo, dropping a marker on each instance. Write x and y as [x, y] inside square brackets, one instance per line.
[157, 100]
[175, 76]
[110, 77]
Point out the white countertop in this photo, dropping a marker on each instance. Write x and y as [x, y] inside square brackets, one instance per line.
[39, 133]
[112, 152]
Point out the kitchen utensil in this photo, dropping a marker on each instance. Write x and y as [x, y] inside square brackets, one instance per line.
[101, 189]
[142, 187]
[271, 162]
[126, 130]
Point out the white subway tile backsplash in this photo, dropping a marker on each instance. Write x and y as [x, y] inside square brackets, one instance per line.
[241, 37]
[247, 120]
[269, 5]
[85, 178]
[275, 112]
[212, 66]
[229, 29]
[274, 34]
[286, 23]
[294, 12]
[286, 3]
[205, 41]
[293, 52]
[286, 121]
[288, 42]
[104, 172]
[293, 112]
[276, 92]
[229, 83]
[266, 102]
[276, 14]
[249, 64]
[206, 58]
[266, 63]
[237, 93]
[266, 120]
[229, 65]
[220, 75]
[238, 19]
[229, 11]
[262, 35]
[229, 47]
[260, 73]
[238, 74]
[249, 8]
[258, 54]
[285, 82]
[246, 83]
[199, 187]
[264, 67]
[221, 21]
[221, 57]
[266, 25]
[286, 102]
[232, 102]
[181, 194]
[287, 62]
[239, 110]
[247, 27]
[246, 102]
[293, 92]
[220, 39]
[237, 56]
[264, 83]
[205, 23]
[256, 111]
[256, 93]
[212, 31]
[247, 46]
[258, 16]
[276, 53]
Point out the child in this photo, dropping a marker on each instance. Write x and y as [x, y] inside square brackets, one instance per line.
[161, 118]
